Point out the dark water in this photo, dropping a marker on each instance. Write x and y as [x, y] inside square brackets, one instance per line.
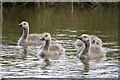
[64, 26]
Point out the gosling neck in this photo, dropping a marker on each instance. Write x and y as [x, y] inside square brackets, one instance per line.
[87, 47]
[47, 44]
[25, 33]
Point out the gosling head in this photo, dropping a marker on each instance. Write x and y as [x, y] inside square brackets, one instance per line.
[84, 35]
[46, 37]
[24, 25]
[85, 38]
[97, 41]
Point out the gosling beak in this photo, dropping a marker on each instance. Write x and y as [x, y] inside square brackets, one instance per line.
[42, 39]
[20, 24]
[78, 37]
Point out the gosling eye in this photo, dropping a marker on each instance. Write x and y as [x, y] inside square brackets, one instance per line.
[97, 43]
[85, 36]
[46, 35]
[24, 23]
[93, 41]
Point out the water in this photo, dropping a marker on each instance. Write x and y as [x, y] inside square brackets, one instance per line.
[64, 26]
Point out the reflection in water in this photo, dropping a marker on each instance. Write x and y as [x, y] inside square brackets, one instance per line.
[64, 28]
[47, 63]
[25, 52]
[86, 64]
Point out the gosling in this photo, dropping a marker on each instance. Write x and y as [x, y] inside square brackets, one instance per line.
[28, 39]
[50, 51]
[88, 50]
[95, 41]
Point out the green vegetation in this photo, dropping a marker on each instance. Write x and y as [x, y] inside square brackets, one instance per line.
[59, 4]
